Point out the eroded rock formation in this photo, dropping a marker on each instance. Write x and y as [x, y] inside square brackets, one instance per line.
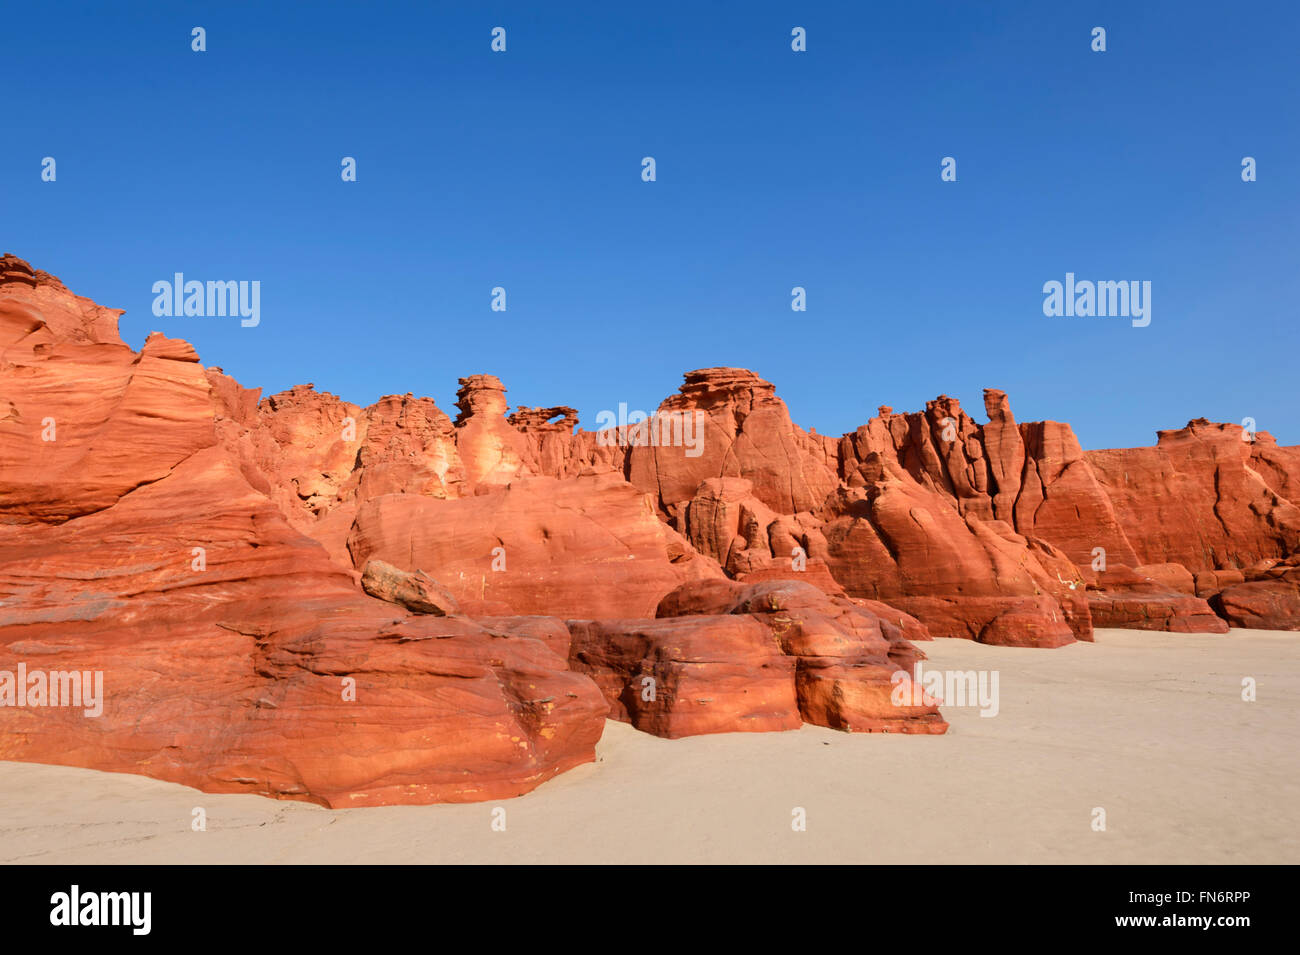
[305, 598]
[234, 655]
[726, 657]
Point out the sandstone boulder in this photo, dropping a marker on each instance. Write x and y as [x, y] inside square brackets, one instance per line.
[1269, 599]
[723, 657]
[414, 590]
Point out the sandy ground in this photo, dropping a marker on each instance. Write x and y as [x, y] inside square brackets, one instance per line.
[1151, 727]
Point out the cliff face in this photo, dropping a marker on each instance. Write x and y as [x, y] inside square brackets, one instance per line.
[201, 547]
[958, 522]
[1207, 496]
[196, 551]
[141, 542]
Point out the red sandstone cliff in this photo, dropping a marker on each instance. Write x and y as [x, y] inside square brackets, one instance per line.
[203, 546]
[200, 547]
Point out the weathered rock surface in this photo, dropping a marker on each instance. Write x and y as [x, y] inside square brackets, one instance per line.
[1202, 498]
[218, 555]
[235, 656]
[897, 542]
[576, 547]
[1134, 601]
[725, 657]
[750, 491]
[1171, 576]
[1269, 597]
[743, 430]
[235, 677]
[414, 590]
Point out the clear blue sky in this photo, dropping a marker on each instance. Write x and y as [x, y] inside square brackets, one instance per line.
[775, 169]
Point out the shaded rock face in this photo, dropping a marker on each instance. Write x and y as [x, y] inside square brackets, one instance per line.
[1268, 596]
[724, 657]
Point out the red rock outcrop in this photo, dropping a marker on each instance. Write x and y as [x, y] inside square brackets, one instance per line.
[234, 655]
[232, 675]
[728, 422]
[1202, 498]
[84, 419]
[724, 657]
[491, 449]
[726, 467]
[203, 548]
[1031, 485]
[554, 449]
[318, 457]
[897, 542]
[1032, 477]
[770, 507]
[1134, 601]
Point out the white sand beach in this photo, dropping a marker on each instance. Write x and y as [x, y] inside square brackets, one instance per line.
[1150, 727]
